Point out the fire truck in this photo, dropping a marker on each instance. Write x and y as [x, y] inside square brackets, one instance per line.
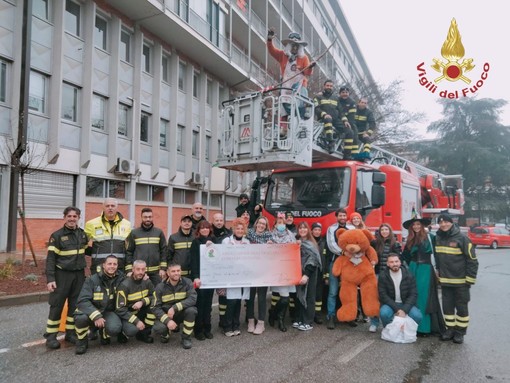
[277, 137]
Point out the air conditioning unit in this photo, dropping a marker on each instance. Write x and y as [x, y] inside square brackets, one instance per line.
[125, 166]
[196, 179]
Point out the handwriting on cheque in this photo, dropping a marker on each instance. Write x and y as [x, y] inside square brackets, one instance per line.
[249, 265]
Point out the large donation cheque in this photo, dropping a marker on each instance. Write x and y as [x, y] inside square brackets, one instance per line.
[250, 265]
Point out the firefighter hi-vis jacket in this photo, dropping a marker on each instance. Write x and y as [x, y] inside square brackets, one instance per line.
[108, 240]
[66, 251]
[128, 293]
[365, 121]
[149, 245]
[98, 295]
[456, 260]
[180, 297]
[327, 104]
[179, 245]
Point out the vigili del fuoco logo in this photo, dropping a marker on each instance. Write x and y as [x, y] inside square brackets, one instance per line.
[452, 68]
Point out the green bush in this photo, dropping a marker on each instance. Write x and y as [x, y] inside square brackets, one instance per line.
[6, 271]
[31, 277]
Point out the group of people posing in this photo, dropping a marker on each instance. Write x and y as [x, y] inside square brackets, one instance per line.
[141, 284]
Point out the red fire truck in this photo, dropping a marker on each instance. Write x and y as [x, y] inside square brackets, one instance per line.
[276, 135]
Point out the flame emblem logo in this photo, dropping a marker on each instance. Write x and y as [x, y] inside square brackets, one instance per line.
[453, 51]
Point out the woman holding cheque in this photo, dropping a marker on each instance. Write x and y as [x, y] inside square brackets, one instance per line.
[310, 267]
[203, 236]
[258, 234]
[234, 295]
[279, 306]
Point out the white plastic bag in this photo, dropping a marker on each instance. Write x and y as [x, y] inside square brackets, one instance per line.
[400, 330]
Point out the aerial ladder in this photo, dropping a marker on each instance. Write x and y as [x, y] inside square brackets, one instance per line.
[272, 130]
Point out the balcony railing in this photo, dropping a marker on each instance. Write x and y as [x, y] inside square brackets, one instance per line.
[182, 9]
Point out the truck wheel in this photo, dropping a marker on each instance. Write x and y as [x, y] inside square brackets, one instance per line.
[494, 245]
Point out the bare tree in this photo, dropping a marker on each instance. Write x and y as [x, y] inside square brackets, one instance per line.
[393, 122]
[30, 162]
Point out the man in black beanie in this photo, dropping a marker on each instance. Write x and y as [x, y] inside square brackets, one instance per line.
[457, 266]
[246, 205]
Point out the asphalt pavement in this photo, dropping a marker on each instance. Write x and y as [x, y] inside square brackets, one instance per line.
[342, 355]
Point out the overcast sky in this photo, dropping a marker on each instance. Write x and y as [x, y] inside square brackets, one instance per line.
[395, 36]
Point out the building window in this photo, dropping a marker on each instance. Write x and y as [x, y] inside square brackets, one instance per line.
[125, 46]
[151, 193]
[196, 85]
[100, 33]
[40, 8]
[165, 68]
[180, 139]
[182, 76]
[195, 143]
[183, 9]
[37, 94]
[144, 127]
[123, 120]
[3, 81]
[146, 58]
[163, 133]
[98, 111]
[72, 18]
[70, 102]
[184, 197]
[213, 17]
[209, 91]
[214, 199]
[102, 188]
[207, 148]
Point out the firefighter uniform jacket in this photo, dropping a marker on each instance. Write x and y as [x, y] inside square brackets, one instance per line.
[347, 110]
[128, 293]
[98, 294]
[149, 245]
[66, 251]
[455, 256]
[107, 239]
[179, 250]
[327, 105]
[180, 297]
[365, 121]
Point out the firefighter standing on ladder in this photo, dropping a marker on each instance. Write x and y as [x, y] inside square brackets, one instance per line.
[365, 123]
[347, 114]
[328, 111]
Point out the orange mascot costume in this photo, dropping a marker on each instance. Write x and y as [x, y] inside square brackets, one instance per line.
[355, 268]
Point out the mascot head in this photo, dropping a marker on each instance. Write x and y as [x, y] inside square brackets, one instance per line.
[355, 242]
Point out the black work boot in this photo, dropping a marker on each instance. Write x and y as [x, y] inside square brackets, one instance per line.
[122, 338]
[448, 334]
[186, 343]
[51, 341]
[71, 336]
[145, 336]
[165, 338]
[81, 346]
[282, 305]
[458, 337]
[104, 338]
[272, 315]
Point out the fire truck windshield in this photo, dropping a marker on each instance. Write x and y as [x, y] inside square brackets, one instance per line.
[324, 189]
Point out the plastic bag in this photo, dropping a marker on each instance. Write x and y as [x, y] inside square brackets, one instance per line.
[400, 330]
